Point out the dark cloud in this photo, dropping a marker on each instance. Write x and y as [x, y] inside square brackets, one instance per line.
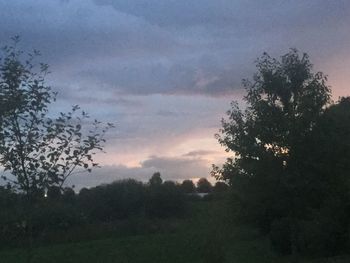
[170, 47]
[199, 153]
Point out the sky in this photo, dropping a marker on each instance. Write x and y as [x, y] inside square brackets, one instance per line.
[165, 71]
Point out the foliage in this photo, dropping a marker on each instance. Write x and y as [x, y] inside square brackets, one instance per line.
[283, 103]
[37, 149]
[280, 236]
[166, 200]
[204, 186]
[119, 200]
[156, 179]
[290, 148]
[104, 205]
[192, 242]
[326, 198]
[220, 187]
[188, 187]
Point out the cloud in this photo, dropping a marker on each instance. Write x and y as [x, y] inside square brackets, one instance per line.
[199, 153]
[175, 168]
[198, 47]
[165, 71]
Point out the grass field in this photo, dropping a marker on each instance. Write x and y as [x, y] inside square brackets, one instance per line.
[151, 248]
[167, 248]
[204, 237]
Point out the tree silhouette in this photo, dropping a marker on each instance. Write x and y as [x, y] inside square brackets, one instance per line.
[325, 182]
[156, 179]
[188, 187]
[284, 102]
[204, 186]
[220, 187]
[38, 150]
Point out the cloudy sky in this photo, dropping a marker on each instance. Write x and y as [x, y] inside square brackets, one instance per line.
[165, 71]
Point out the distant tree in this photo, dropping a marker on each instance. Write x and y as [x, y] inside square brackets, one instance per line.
[83, 192]
[284, 102]
[118, 200]
[54, 193]
[156, 179]
[68, 195]
[170, 183]
[220, 187]
[165, 200]
[188, 187]
[204, 186]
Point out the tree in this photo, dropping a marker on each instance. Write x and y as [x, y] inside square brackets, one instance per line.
[220, 187]
[68, 195]
[204, 186]
[164, 200]
[326, 184]
[54, 193]
[118, 200]
[156, 179]
[37, 149]
[188, 187]
[284, 102]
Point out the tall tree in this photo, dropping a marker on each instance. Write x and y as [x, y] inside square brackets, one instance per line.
[39, 151]
[283, 103]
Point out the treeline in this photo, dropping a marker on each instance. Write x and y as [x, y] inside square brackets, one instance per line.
[290, 174]
[59, 210]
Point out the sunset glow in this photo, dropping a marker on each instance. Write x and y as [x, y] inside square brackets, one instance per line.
[164, 77]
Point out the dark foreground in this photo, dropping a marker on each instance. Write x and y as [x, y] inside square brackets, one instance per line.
[202, 237]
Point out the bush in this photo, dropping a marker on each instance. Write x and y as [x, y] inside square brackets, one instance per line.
[119, 200]
[165, 200]
[326, 234]
[280, 236]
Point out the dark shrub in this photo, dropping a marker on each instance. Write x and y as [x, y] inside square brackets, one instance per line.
[280, 236]
[188, 187]
[118, 200]
[165, 200]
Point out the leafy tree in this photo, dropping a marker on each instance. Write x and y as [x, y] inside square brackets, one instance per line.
[325, 183]
[156, 179]
[284, 102]
[204, 186]
[165, 200]
[37, 149]
[188, 187]
[170, 183]
[118, 200]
